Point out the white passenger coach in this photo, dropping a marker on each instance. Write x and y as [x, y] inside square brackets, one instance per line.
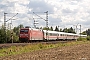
[52, 35]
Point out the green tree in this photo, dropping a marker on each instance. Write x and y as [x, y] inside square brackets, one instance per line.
[8, 36]
[71, 30]
[20, 26]
[84, 33]
[45, 28]
[16, 32]
[65, 30]
[2, 36]
[88, 32]
[5, 37]
[60, 30]
[16, 29]
[56, 29]
[40, 27]
[51, 28]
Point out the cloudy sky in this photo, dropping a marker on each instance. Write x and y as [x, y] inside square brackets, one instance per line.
[62, 13]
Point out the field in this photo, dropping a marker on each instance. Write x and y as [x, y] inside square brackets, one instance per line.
[67, 51]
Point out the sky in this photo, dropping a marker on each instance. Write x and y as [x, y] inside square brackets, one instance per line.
[62, 13]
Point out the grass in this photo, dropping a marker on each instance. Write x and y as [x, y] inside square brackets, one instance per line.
[13, 50]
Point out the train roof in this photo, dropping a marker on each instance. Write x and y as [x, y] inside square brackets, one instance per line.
[31, 29]
[50, 31]
[83, 35]
[59, 32]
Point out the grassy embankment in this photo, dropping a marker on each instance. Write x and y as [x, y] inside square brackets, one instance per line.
[29, 48]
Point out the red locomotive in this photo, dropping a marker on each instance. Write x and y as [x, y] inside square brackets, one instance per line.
[27, 34]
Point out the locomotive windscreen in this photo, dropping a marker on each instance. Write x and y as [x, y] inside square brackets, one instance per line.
[23, 31]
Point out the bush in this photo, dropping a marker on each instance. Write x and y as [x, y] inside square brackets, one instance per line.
[15, 38]
[81, 39]
[40, 46]
[88, 38]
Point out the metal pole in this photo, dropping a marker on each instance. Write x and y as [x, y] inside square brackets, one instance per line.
[76, 29]
[46, 24]
[11, 31]
[5, 26]
[80, 32]
[34, 23]
[47, 19]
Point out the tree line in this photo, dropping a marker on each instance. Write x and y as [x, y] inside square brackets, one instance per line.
[67, 30]
[5, 37]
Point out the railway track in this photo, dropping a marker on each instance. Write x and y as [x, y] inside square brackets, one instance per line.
[7, 45]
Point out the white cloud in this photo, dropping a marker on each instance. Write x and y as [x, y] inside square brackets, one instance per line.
[20, 8]
[24, 2]
[64, 13]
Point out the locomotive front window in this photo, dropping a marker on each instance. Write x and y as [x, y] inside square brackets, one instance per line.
[24, 31]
